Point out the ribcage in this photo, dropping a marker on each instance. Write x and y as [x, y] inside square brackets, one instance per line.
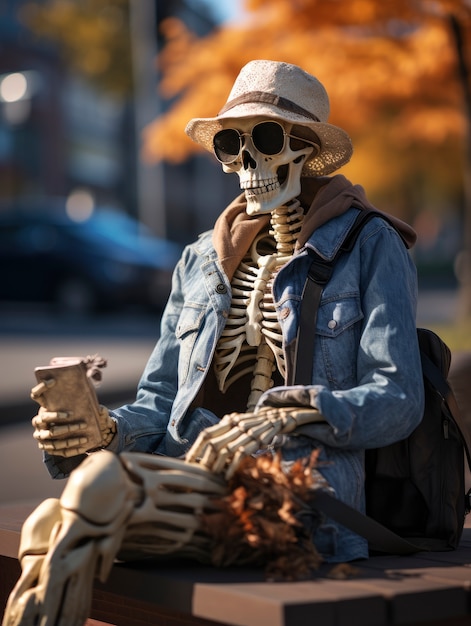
[252, 319]
[251, 342]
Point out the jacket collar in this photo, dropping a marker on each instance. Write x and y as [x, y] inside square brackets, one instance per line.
[323, 198]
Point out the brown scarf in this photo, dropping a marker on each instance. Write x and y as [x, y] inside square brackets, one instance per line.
[324, 197]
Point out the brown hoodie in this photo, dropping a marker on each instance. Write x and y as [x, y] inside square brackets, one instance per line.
[322, 198]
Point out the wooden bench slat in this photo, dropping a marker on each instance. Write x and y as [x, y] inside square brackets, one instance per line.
[386, 590]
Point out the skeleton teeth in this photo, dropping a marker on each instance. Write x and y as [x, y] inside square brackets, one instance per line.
[259, 187]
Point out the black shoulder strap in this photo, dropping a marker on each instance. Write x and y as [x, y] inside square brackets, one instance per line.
[380, 538]
[318, 276]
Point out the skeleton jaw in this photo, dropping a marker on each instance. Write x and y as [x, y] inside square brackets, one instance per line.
[265, 195]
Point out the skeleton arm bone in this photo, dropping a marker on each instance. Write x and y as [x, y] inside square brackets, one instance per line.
[220, 448]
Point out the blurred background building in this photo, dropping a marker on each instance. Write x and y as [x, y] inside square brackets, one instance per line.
[61, 131]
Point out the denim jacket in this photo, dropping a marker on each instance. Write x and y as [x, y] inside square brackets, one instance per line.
[367, 380]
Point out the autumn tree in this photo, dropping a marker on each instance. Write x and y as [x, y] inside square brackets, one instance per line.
[391, 70]
[372, 56]
[396, 72]
[93, 36]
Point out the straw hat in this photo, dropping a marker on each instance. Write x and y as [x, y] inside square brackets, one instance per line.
[287, 93]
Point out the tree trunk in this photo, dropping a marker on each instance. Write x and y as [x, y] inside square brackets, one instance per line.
[464, 267]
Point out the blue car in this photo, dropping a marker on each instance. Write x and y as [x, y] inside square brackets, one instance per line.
[108, 261]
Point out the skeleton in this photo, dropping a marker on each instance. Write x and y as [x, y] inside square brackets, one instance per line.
[139, 504]
[251, 340]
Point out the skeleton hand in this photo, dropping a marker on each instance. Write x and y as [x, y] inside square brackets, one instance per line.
[70, 420]
[57, 432]
[220, 448]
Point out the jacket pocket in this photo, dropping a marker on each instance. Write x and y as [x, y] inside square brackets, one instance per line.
[187, 330]
[338, 330]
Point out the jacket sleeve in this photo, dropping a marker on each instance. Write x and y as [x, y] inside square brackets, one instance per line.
[386, 403]
[142, 424]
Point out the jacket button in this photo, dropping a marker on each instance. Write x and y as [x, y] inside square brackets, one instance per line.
[221, 288]
[332, 324]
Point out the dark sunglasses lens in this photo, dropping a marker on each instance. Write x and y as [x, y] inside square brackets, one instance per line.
[268, 137]
[226, 145]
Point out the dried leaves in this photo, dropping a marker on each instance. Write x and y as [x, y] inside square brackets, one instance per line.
[257, 523]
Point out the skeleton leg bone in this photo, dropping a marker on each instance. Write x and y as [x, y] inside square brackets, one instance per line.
[168, 520]
[132, 505]
[37, 529]
[79, 536]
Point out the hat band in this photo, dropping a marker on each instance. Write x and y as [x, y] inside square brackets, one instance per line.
[268, 98]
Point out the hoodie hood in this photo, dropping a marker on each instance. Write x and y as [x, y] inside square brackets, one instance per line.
[323, 198]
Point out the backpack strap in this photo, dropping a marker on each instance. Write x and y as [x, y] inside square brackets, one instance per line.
[380, 538]
[437, 380]
[318, 276]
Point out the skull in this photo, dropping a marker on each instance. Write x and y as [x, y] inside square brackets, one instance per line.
[268, 180]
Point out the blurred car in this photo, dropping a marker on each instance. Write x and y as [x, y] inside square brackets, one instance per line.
[107, 261]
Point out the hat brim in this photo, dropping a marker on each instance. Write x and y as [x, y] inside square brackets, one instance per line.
[336, 146]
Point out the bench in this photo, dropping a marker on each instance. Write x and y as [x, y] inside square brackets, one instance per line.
[427, 589]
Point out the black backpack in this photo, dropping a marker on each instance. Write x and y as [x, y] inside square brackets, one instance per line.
[415, 488]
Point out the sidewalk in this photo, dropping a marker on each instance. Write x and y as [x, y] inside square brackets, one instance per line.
[19, 356]
[23, 475]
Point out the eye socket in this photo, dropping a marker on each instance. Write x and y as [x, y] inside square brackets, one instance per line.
[226, 144]
[268, 138]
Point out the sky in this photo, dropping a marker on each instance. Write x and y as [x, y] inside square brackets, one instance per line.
[225, 10]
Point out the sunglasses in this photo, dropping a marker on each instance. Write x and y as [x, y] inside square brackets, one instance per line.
[269, 138]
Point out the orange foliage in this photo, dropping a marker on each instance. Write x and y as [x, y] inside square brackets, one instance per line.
[91, 34]
[258, 523]
[375, 58]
